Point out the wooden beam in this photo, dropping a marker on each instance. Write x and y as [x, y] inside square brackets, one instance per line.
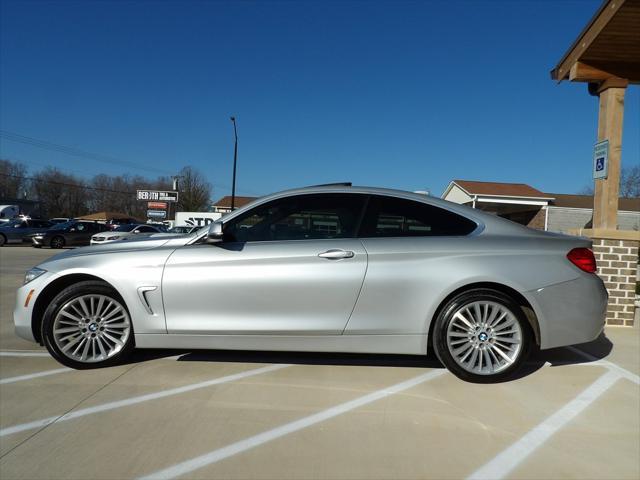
[586, 38]
[581, 72]
[610, 115]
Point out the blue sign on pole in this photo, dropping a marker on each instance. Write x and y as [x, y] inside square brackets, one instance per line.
[601, 159]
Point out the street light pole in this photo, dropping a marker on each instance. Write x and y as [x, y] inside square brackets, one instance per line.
[235, 161]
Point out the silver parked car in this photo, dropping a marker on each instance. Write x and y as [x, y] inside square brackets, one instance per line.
[125, 232]
[330, 268]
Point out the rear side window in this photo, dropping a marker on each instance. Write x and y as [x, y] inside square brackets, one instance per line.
[397, 217]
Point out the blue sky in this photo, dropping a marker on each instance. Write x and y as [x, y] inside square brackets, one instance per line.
[398, 94]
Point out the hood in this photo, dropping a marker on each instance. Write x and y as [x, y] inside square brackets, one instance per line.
[115, 247]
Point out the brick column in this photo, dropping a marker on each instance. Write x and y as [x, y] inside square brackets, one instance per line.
[617, 261]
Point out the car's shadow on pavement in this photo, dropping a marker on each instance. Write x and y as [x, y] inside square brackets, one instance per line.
[585, 353]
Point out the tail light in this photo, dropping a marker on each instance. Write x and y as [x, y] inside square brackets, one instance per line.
[583, 259]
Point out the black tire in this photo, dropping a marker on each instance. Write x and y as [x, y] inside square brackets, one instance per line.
[485, 338]
[63, 300]
[3, 240]
[57, 242]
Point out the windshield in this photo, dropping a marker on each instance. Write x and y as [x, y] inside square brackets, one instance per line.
[125, 228]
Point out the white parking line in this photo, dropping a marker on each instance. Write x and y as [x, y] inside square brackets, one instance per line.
[501, 465]
[264, 437]
[605, 363]
[26, 353]
[46, 373]
[135, 400]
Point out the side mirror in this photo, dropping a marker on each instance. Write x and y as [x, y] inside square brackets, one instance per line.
[214, 235]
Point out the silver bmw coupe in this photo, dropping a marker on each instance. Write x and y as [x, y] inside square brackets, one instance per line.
[332, 268]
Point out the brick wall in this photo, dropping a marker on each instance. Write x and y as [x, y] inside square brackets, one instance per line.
[618, 267]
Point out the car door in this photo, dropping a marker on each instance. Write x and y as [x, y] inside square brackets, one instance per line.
[18, 231]
[413, 251]
[289, 266]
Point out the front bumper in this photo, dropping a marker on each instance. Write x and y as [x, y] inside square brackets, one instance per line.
[22, 315]
[570, 312]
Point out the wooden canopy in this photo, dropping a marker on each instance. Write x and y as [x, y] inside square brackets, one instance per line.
[606, 54]
[607, 48]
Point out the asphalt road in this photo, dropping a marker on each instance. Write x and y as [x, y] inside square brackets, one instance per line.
[237, 415]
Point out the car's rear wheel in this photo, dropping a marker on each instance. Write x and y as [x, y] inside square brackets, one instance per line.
[87, 325]
[57, 242]
[482, 336]
[3, 240]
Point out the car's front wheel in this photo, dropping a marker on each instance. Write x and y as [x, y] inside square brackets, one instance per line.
[57, 242]
[482, 336]
[87, 325]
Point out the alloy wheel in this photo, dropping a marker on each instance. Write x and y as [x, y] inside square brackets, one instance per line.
[91, 328]
[484, 337]
[57, 242]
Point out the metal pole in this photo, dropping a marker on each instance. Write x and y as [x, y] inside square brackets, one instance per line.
[235, 160]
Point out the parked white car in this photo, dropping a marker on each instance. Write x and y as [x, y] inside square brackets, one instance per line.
[125, 232]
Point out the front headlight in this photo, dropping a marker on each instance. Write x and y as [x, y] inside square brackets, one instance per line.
[113, 238]
[33, 274]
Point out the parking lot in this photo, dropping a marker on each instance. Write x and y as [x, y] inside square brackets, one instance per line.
[573, 413]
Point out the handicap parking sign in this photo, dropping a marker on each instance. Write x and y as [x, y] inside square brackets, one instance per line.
[601, 159]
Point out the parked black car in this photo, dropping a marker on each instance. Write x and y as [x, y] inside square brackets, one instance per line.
[19, 230]
[69, 234]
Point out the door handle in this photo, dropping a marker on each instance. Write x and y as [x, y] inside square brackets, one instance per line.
[336, 254]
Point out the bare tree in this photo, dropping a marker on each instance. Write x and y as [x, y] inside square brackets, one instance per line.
[629, 183]
[60, 194]
[13, 183]
[195, 191]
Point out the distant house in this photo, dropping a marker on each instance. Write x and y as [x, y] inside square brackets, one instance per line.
[522, 203]
[224, 204]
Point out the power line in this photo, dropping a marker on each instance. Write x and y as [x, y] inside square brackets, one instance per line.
[76, 152]
[73, 185]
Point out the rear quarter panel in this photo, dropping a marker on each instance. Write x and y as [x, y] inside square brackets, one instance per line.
[407, 279]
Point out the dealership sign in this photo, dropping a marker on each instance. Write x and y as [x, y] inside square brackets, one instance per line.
[157, 205]
[156, 213]
[157, 195]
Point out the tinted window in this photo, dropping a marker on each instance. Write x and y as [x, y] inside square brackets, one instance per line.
[396, 217]
[147, 230]
[61, 226]
[125, 228]
[298, 218]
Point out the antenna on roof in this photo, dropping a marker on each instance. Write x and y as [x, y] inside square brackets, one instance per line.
[338, 184]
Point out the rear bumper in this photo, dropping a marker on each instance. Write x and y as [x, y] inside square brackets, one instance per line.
[570, 312]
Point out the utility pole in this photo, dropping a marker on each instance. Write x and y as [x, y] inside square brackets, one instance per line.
[235, 161]
[174, 187]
